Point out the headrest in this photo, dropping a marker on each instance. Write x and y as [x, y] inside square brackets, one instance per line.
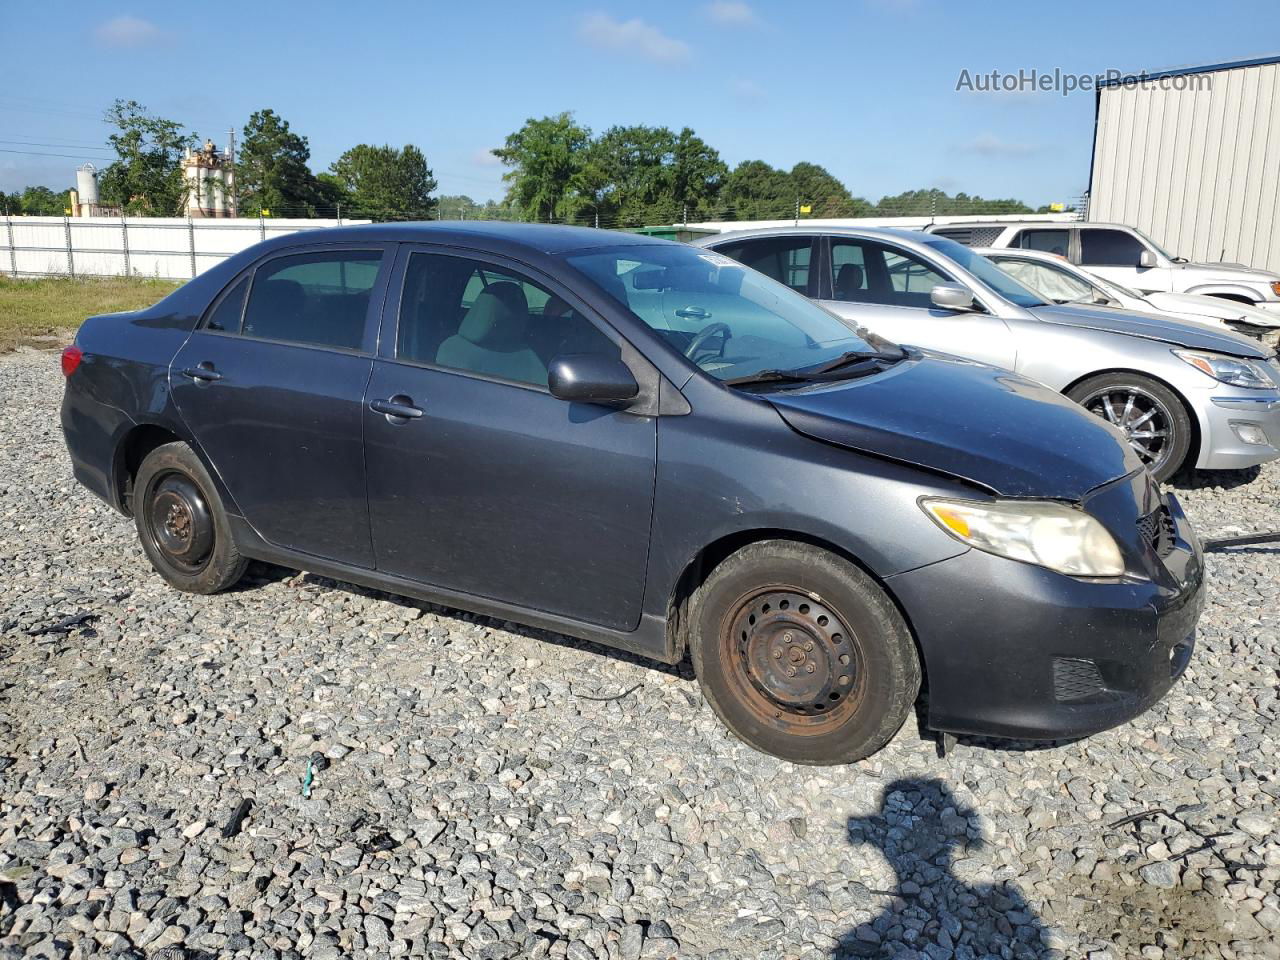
[497, 319]
[848, 279]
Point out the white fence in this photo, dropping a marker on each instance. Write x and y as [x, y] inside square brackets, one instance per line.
[168, 247]
[901, 223]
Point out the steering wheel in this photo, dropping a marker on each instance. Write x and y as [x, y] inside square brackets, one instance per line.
[705, 334]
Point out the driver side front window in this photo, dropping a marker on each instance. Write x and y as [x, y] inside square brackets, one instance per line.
[867, 272]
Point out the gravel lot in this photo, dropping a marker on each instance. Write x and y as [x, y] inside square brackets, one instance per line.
[478, 803]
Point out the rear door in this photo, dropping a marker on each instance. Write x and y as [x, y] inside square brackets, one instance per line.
[888, 290]
[480, 481]
[271, 385]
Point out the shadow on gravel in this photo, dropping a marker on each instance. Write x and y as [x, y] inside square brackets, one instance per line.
[260, 574]
[1226, 479]
[921, 829]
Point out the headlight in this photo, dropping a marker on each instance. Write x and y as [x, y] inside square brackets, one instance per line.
[1042, 532]
[1233, 370]
[1275, 287]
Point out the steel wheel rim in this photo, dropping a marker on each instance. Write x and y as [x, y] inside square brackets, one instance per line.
[792, 660]
[179, 524]
[1146, 422]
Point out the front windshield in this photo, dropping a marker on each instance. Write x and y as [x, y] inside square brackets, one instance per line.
[1159, 249]
[730, 320]
[986, 271]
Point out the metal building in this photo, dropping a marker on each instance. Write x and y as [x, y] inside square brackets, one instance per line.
[1192, 158]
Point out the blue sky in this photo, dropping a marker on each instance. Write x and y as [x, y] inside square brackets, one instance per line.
[867, 88]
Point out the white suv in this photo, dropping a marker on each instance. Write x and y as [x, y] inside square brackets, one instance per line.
[1126, 256]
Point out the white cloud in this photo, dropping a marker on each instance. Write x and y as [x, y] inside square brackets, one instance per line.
[748, 91]
[989, 145]
[632, 36]
[731, 13]
[126, 31]
[484, 158]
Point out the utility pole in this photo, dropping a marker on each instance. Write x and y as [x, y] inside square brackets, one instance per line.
[231, 179]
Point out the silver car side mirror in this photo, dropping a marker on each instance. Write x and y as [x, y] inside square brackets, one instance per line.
[1147, 260]
[951, 296]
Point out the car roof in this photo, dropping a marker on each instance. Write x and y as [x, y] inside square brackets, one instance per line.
[885, 233]
[541, 238]
[1044, 255]
[1049, 224]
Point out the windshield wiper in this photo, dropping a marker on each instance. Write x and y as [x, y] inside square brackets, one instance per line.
[850, 364]
[766, 376]
[854, 356]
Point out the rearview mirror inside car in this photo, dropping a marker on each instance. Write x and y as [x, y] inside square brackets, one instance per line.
[951, 296]
[1146, 259]
[591, 378]
[649, 279]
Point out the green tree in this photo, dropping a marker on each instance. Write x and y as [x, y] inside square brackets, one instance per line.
[631, 166]
[146, 178]
[696, 176]
[271, 170]
[386, 183]
[826, 196]
[935, 202]
[753, 190]
[35, 202]
[546, 158]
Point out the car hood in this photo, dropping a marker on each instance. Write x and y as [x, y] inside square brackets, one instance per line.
[1230, 271]
[990, 427]
[1150, 326]
[1211, 307]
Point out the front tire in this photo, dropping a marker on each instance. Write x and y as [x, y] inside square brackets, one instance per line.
[1154, 419]
[181, 523]
[801, 654]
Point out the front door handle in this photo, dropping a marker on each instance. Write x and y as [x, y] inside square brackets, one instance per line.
[693, 313]
[398, 409]
[203, 372]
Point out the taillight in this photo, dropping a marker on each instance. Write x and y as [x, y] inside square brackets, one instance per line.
[71, 358]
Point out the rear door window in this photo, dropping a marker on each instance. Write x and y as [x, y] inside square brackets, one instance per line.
[1109, 248]
[313, 298]
[1050, 241]
[785, 259]
[226, 315]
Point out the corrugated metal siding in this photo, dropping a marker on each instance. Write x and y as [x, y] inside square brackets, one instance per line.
[1195, 163]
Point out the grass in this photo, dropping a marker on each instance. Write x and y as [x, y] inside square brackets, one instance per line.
[45, 312]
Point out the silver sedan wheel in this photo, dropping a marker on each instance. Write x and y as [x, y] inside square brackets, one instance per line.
[1145, 420]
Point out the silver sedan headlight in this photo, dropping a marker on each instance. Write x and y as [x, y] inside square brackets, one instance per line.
[1042, 532]
[1236, 371]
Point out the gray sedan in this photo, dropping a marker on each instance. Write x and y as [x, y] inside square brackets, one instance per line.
[1183, 394]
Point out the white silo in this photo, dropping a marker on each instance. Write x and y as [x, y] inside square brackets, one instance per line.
[87, 184]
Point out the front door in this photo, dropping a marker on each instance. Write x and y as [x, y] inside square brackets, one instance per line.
[480, 481]
[887, 290]
[272, 387]
[1115, 255]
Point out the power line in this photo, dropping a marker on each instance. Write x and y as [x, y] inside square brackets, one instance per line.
[37, 153]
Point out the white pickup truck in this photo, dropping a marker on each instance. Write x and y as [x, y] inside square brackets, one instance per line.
[1126, 256]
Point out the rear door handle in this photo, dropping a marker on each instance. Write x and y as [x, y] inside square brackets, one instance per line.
[202, 371]
[399, 409]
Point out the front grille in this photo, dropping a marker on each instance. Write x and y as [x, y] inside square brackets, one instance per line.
[1075, 679]
[1157, 531]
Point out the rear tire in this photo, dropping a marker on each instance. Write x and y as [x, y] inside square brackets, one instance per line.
[801, 654]
[181, 523]
[1108, 396]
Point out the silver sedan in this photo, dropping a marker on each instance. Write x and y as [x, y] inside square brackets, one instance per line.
[1182, 393]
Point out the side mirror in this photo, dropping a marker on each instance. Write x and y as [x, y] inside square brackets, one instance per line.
[591, 378]
[951, 296]
[1147, 260]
